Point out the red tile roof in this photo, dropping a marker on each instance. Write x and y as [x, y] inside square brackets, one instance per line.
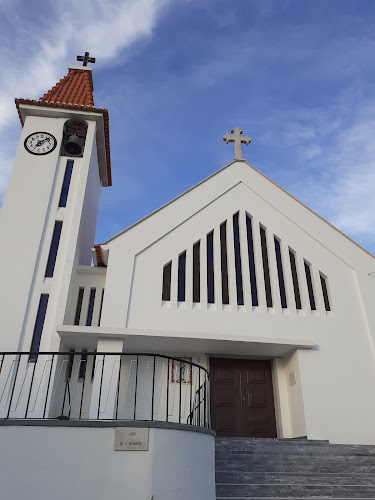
[74, 92]
[76, 88]
[99, 256]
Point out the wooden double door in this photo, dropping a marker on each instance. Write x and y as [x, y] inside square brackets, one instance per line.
[242, 401]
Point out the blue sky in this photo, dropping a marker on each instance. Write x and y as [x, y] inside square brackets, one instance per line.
[296, 75]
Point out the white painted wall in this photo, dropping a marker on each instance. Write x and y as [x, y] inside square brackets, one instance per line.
[27, 220]
[23, 228]
[334, 389]
[290, 403]
[86, 277]
[79, 462]
[343, 337]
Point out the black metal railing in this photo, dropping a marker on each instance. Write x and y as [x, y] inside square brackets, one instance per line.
[103, 386]
[199, 407]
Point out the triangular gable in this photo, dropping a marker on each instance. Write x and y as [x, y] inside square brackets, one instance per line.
[292, 202]
[139, 256]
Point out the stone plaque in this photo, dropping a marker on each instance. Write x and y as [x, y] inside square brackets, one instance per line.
[131, 439]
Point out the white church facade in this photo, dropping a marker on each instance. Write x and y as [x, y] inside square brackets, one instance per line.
[233, 308]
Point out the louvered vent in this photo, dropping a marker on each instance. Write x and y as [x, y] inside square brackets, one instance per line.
[242, 263]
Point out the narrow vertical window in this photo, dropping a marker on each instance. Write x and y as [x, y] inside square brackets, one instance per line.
[310, 286]
[101, 307]
[82, 366]
[250, 249]
[323, 282]
[53, 249]
[181, 277]
[280, 273]
[77, 316]
[210, 268]
[266, 269]
[197, 272]
[66, 183]
[237, 259]
[90, 309]
[293, 268]
[39, 322]
[224, 263]
[167, 275]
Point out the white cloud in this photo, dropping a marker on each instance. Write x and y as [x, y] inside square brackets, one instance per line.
[32, 53]
[333, 158]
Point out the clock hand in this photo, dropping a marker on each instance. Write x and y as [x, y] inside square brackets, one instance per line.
[39, 143]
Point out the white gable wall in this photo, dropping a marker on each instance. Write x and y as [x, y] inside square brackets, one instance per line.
[334, 379]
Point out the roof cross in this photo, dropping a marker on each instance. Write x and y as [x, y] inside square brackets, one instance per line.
[86, 59]
[238, 140]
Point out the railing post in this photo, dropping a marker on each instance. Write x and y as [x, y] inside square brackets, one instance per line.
[106, 377]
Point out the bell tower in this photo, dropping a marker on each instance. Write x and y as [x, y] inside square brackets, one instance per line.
[48, 217]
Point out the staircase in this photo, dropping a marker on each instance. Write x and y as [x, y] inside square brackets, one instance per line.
[251, 468]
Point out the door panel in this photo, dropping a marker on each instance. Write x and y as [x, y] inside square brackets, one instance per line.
[242, 398]
[228, 400]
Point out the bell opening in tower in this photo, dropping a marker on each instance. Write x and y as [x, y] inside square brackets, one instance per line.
[74, 138]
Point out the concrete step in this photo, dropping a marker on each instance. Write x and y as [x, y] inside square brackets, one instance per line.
[250, 446]
[263, 441]
[296, 463]
[253, 468]
[286, 478]
[276, 450]
[292, 491]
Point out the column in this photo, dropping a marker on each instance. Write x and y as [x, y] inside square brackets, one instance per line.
[106, 380]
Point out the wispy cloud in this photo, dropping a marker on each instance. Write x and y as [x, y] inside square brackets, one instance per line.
[327, 144]
[34, 50]
[332, 161]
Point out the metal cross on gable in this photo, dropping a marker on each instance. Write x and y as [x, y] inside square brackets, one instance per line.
[86, 59]
[238, 139]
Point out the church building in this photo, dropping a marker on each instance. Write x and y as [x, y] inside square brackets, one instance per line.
[232, 310]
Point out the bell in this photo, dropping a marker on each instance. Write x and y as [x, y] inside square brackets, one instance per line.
[72, 146]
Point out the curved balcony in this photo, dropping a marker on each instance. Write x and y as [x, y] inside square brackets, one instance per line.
[103, 386]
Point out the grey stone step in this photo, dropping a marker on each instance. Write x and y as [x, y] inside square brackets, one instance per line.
[234, 446]
[253, 468]
[311, 479]
[293, 491]
[339, 450]
[295, 463]
[261, 441]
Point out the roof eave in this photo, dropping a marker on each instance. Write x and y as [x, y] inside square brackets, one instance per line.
[265, 177]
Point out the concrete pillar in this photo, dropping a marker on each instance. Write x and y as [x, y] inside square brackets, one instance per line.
[106, 378]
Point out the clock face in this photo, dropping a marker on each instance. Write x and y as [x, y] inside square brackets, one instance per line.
[40, 143]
